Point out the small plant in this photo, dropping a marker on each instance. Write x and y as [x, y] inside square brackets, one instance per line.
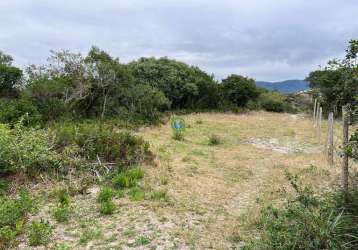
[136, 194]
[105, 197]
[120, 181]
[159, 196]
[39, 233]
[7, 237]
[89, 233]
[62, 247]
[61, 213]
[179, 136]
[63, 197]
[141, 241]
[214, 140]
[164, 180]
[107, 207]
[128, 179]
[120, 193]
[105, 194]
[136, 173]
[12, 216]
[199, 121]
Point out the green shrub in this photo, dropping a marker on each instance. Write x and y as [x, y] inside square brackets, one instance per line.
[214, 140]
[99, 140]
[7, 237]
[26, 149]
[272, 101]
[309, 221]
[105, 197]
[239, 90]
[107, 207]
[4, 187]
[105, 194]
[135, 173]
[13, 210]
[13, 110]
[61, 213]
[39, 233]
[120, 181]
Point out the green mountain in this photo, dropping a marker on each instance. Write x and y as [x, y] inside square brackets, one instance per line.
[286, 87]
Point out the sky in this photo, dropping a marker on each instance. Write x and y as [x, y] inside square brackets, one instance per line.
[268, 40]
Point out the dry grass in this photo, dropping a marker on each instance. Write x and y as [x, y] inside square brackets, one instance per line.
[215, 192]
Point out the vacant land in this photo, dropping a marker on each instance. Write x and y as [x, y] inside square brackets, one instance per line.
[198, 194]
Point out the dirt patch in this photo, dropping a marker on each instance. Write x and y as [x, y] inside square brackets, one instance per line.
[289, 148]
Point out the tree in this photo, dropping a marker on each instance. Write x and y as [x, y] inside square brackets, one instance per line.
[10, 77]
[5, 59]
[239, 89]
[337, 83]
[95, 85]
[184, 86]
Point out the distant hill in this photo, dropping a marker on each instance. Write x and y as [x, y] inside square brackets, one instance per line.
[286, 87]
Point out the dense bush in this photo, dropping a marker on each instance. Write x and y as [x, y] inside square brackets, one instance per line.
[96, 85]
[272, 101]
[310, 222]
[26, 149]
[120, 147]
[12, 217]
[239, 90]
[10, 77]
[184, 86]
[336, 84]
[12, 110]
[145, 101]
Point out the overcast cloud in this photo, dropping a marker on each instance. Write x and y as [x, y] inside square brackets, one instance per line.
[264, 39]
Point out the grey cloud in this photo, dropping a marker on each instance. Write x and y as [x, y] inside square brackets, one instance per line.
[263, 39]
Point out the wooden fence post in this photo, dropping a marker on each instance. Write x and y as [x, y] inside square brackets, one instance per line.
[345, 173]
[317, 114]
[319, 122]
[314, 111]
[330, 139]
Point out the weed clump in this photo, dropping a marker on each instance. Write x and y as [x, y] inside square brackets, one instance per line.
[12, 217]
[214, 140]
[159, 196]
[26, 149]
[178, 136]
[310, 221]
[39, 233]
[62, 211]
[128, 178]
[105, 197]
[136, 194]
